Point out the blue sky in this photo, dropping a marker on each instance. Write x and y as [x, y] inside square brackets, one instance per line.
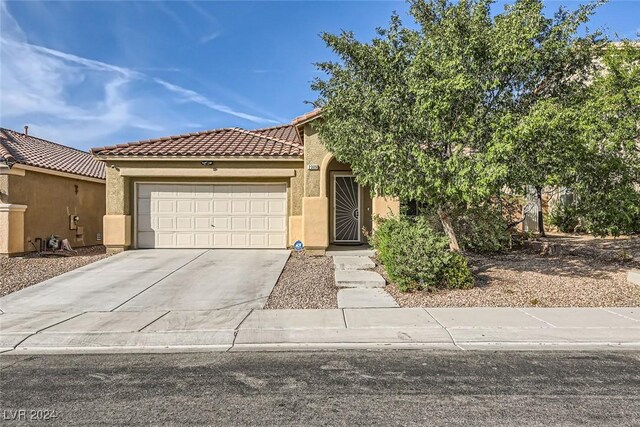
[87, 74]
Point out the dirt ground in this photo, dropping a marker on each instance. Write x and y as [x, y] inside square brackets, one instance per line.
[19, 272]
[586, 272]
[307, 282]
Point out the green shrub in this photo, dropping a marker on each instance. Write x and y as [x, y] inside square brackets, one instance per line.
[417, 257]
[564, 217]
[482, 229]
[457, 274]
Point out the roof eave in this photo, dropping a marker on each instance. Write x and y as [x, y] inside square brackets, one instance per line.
[132, 157]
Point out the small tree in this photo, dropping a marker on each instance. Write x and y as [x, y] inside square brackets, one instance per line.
[426, 114]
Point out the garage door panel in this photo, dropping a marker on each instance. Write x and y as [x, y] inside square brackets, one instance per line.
[184, 240]
[166, 206]
[239, 240]
[167, 240]
[166, 223]
[203, 206]
[258, 240]
[211, 216]
[277, 206]
[184, 206]
[185, 223]
[277, 240]
[239, 223]
[221, 206]
[202, 240]
[222, 223]
[202, 223]
[221, 240]
[258, 206]
[239, 207]
[276, 224]
[258, 224]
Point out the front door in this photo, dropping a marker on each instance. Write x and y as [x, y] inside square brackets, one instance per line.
[346, 209]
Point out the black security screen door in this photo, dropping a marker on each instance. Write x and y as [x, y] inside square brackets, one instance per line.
[347, 209]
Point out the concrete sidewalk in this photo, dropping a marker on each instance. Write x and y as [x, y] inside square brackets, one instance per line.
[237, 330]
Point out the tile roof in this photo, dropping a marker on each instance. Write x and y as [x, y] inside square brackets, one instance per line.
[16, 147]
[307, 117]
[274, 141]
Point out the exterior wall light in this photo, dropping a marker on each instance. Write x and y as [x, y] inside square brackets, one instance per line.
[206, 163]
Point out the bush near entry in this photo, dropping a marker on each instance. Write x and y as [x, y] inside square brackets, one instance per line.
[417, 257]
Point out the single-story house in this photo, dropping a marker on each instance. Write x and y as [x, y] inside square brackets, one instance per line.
[47, 189]
[235, 188]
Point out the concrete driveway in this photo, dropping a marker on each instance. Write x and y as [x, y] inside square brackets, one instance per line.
[161, 279]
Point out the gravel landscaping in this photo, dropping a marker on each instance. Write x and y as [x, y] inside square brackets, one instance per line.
[21, 272]
[307, 282]
[587, 273]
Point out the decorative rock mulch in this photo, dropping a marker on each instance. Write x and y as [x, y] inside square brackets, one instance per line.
[305, 283]
[20, 272]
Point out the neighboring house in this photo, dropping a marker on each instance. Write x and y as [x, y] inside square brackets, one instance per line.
[234, 188]
[47, 189]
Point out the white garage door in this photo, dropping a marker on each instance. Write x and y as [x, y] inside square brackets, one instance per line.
[211, 216]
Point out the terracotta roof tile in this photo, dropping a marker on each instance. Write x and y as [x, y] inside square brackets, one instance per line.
[29, 150]
[275, 141]
[306, 117]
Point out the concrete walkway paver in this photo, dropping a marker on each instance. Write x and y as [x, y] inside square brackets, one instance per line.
[362, 288]
[353, 263]
[358, 279]
[365, 298]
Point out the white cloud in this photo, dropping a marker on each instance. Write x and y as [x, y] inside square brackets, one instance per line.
[209, 37]
[192, 96]
[79, 100]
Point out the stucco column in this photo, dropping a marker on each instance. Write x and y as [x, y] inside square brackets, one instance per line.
[11, 229]
[117, 221]
[315, 214]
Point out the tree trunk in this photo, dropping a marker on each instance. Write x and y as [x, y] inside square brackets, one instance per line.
[540, 216]
[448, 229]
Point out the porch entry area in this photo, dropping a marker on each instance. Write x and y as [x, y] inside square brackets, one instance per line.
[350, 206]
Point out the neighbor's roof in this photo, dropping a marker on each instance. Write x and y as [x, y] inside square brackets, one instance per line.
[16, 147]
[274, 141]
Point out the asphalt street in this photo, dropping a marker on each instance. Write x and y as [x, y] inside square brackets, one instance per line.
[324, 388]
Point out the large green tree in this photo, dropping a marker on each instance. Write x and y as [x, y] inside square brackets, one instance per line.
[439, 112]
[606, 178]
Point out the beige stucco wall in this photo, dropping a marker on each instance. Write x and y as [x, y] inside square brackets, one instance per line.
[51, 199]
[314, 154]
[4, 188]
[385, 207]
[11, 229]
